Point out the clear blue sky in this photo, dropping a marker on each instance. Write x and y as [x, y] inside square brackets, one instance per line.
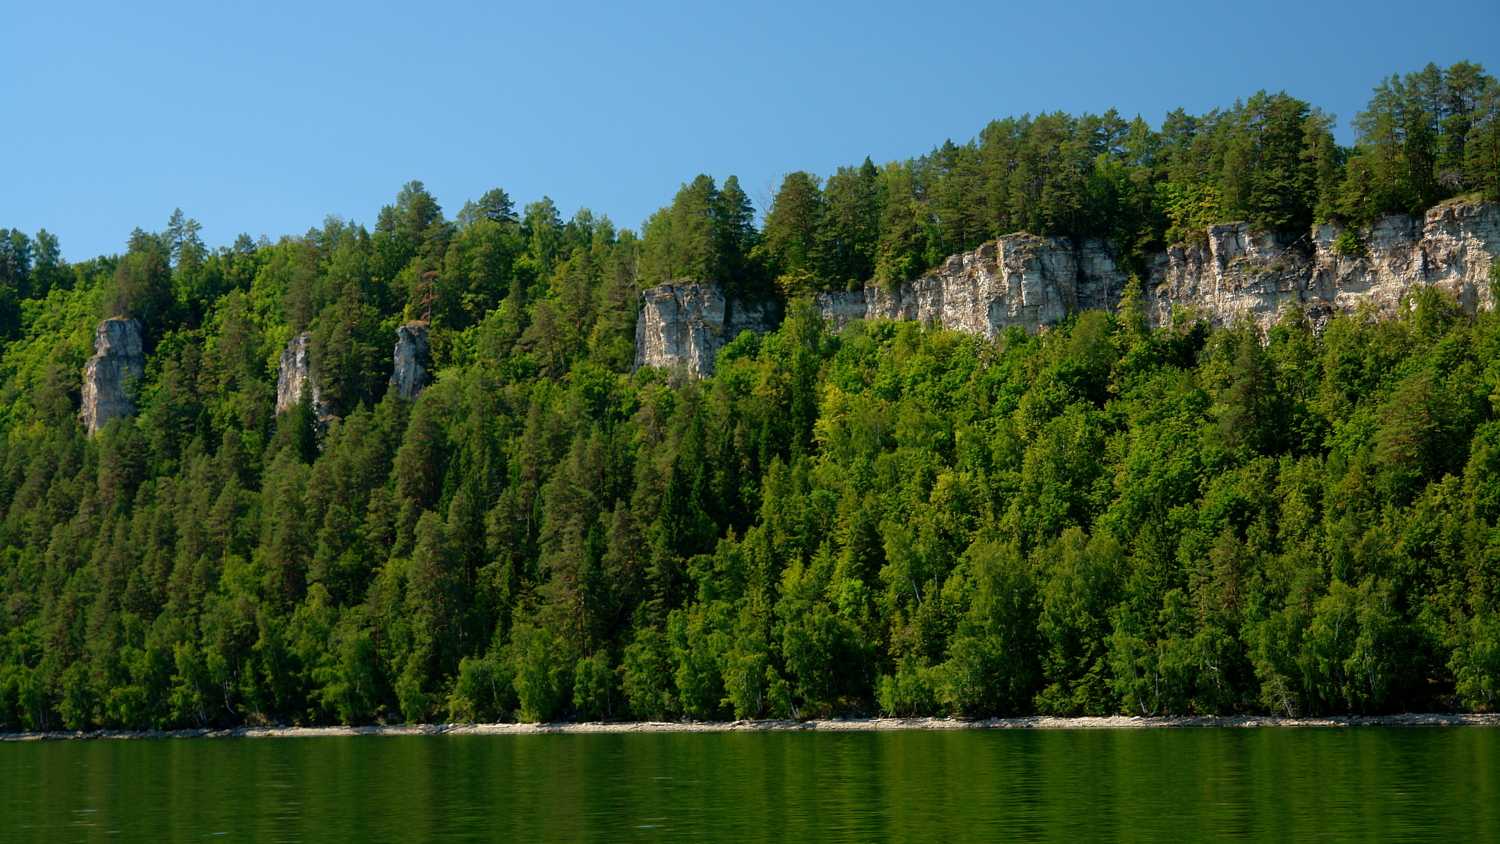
[263, 118]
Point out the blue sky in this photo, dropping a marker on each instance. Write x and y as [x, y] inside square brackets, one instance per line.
[263, 118]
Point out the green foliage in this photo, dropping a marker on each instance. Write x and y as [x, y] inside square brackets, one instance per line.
[542, 673]
[646, 676]
[483, 690]
[1348, 243]
[1099, 518]
[1476, 662]
[595, 688]
[793, 223]
[992, 666]
[141, 286]
[909, 690]
[1424, 137]
[1271, 160]
[706, 234]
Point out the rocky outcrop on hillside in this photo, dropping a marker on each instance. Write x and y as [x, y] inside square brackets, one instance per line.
[295, 377]
[1234, 273]
[683, 325]
[1237, 273]
[119, 361]
[411, 360]
[1019, 279]
[1451, 248]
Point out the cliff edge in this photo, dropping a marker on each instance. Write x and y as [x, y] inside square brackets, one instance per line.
[683, 325]
[1234, 273]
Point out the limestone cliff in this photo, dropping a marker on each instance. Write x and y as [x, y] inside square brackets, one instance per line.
[1452, 248]
[294, 376]
[1234, 273]
[684, 325]
[1019, 279]
[118, 362]
[1241, 274]
[411, 360]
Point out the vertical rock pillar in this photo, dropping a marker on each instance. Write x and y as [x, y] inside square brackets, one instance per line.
[411, 360]
[294, 376]
[119, 361]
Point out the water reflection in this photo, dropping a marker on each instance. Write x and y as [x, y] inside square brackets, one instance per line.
[1067, 785]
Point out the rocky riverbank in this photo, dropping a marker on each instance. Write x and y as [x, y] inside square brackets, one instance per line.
[832, 725]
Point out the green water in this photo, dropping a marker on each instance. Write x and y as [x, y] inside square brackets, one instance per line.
[1169, 785]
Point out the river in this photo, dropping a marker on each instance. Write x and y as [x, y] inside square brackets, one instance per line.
[1061, 785]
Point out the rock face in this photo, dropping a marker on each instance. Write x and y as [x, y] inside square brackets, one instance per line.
[1451, 248]
[1235, 273]
[411, 360]
[684, 325]
[119, 360]
[1019, 279]
[1240, 274]
[294, 375]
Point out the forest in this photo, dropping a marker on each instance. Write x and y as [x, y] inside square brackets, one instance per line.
[1102, 518]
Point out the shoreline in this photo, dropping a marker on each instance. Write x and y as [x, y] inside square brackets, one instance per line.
[830, 725]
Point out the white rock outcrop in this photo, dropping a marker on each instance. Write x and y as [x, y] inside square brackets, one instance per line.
[1019, 279]
[1234, 273]
[295, 376]
[1240, 274]
[683, 325]
[118, 363]
[410, 360]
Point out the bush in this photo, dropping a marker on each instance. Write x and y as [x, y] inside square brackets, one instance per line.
[542, 680]
[484, 690]
[595, 687]
[1348, 243]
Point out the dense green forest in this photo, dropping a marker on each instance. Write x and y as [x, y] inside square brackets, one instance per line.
[1102, 518]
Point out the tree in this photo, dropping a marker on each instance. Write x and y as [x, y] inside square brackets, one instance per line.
[1080, 585]
[15, 273]
[348, 360]
[544, 230]
[851, 228]
[495, 206]
[142, 284]
[1420, 139]
[992, 666]
[701, 236]
[646, 677]
[734, 227]
[898, 255]
[435, 601]
[791, 233]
